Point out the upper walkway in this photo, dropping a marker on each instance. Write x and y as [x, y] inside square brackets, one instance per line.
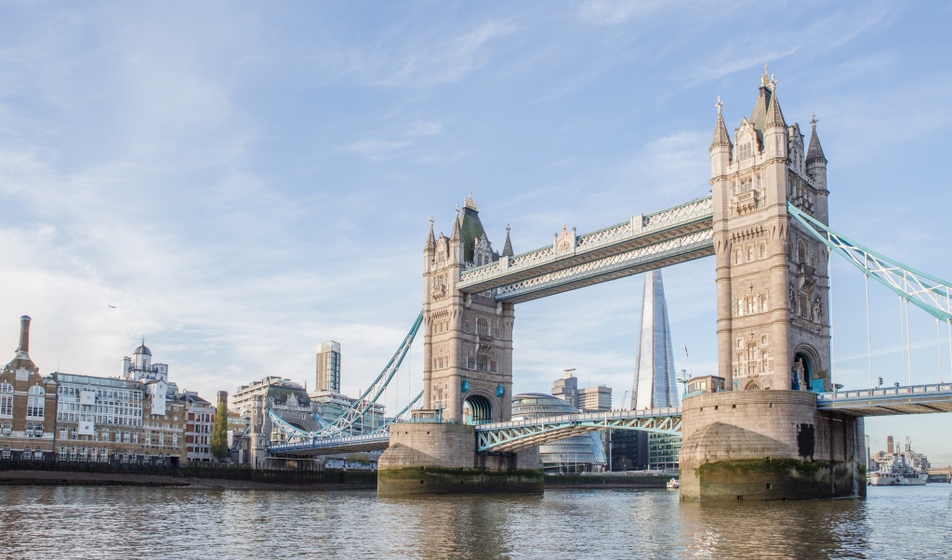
[645, 242]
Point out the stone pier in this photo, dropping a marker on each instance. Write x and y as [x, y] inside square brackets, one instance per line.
[437, 458]
[769, 445]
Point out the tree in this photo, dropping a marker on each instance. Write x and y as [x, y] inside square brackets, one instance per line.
[220, 433]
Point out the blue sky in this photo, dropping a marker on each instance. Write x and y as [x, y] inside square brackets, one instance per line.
[243, 180]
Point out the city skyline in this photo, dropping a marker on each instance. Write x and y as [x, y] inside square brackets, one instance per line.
[240, 184]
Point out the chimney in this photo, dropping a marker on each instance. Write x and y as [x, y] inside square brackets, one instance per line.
[24, 349]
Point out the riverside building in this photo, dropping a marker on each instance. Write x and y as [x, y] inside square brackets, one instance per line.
[124, 420]
[27, 406]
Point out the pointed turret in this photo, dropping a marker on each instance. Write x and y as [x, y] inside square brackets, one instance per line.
[774, 115]
[815, 151]
[721, 138]
[507, 248]
[431, 239]
[721, 146]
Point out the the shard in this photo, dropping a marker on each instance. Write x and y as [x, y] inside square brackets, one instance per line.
[655, 381]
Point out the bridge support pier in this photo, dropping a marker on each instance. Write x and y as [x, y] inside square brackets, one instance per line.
[437, 458]
[769, 445]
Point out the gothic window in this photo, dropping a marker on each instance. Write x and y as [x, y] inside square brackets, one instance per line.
[750, 253]
[760, 183]
[466, 326]
[492, 366]
[482, 362]
[751, 305]
[763, 250]
[6, 399]
[482, 325]
[763, 339]
[471, 362]
[737, 256]
[740, 342]
[801, 251]
[763, 302]
[740, 312]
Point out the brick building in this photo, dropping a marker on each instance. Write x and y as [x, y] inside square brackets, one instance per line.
[27, 406]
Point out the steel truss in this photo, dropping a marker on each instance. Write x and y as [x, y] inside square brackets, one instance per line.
[644, 242]
[515, 436]
[926, 292]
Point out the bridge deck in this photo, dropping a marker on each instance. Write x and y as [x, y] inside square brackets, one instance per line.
[888, 401]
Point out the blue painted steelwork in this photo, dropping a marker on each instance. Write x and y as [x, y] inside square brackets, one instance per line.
[363, 403]
[643, 243]
[328, 446]
[885, 401]
[926, 292]
[299, 441]
[523, 434]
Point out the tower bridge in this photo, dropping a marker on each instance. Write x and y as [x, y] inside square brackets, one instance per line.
[766, 223]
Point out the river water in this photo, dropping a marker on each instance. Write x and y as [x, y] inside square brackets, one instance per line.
[130, 522]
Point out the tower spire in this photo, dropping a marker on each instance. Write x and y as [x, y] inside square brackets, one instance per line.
[431, 239]
[507, 248]
[814, 151]
[721, 138]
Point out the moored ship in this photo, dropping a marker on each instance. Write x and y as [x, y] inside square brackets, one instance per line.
[902, 468]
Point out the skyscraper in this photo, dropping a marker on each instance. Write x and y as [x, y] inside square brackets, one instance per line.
[655, 382]
[328, 367]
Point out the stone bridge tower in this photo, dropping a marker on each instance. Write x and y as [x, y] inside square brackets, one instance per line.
[467, 371]
[764, 438]
[772, 281]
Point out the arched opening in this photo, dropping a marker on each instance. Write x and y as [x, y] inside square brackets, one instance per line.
[477, 410]
[752, 386]
[804, 368]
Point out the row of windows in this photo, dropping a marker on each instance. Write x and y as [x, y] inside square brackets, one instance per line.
[121, 436]
[34, 390]
[749, 250]
[113, 394]
[97, 418]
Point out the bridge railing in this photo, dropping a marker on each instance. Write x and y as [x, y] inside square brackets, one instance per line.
[583, 417]
[674, 216]
[328, 442]
[884, 392]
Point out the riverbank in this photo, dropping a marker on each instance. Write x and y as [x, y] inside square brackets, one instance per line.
[74, 478]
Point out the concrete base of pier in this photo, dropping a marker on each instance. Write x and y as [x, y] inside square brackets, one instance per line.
[769, 445]
[434, 458]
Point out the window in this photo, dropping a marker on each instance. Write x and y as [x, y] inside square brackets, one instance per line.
[34, 405]
[72, 453]
[481, 362]
[64, 431]
[763, 250]
[471, 362]
[72, 433]
[482, 325]
[6, 399]
[105, 434]
[62, 453]
[5, 454]
[29, 430]
[162, 439]
[6, 429]
[750, 253]
[27, 453]
[103, 455]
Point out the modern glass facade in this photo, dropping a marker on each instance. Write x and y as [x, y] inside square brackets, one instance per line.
[574, 454]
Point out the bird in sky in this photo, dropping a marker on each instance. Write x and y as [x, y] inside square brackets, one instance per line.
[112, 306]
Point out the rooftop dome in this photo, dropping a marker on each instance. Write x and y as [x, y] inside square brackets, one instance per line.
[143, 349]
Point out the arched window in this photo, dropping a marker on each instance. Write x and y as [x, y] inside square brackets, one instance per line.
[5, 454]
[6, 399]
[482, 326]
[82, 453]
[72, 453]
[482, 362]
[105, 434]
[801, 251]
[62, 453]
[6, 429]
[27, 453]
[72, 433]
[103, 455]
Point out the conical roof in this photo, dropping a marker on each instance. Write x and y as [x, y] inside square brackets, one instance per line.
[721, 138]
[815, 151]
[507, 248]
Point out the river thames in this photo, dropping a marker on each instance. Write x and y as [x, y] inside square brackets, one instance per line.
[132, 522]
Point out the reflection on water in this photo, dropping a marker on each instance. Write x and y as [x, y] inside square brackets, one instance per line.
[94, 522]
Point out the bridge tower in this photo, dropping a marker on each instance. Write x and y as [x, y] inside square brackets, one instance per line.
[764, 439]
[467, 380]
[467, 364]
[772, 281]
